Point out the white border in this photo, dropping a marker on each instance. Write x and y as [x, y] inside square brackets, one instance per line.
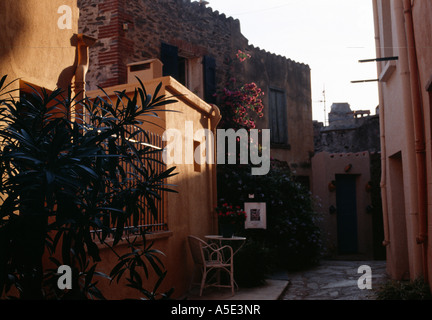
[262, 223]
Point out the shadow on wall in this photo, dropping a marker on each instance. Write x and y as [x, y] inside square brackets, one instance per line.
[12, 26]
[66, 76]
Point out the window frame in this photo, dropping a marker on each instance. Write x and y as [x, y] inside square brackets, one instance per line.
[281, 142]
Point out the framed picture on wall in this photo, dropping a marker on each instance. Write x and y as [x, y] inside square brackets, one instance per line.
[255, 215]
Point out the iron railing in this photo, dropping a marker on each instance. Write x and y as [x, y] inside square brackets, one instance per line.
[148, 222]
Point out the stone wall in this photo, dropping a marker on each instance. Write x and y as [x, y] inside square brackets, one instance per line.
[362, 134]
[188, 25]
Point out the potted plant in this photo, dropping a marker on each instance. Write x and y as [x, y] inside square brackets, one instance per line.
[230, 218]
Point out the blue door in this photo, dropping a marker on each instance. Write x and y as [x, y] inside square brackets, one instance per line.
[346, 204]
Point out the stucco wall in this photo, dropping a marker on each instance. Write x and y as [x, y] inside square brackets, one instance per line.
[422, 12]
[400, 180]
[400, 185]
[34, 48]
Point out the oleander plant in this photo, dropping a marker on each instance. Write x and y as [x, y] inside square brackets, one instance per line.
[63, 178]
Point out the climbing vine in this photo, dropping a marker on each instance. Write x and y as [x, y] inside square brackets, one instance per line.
[240, 104]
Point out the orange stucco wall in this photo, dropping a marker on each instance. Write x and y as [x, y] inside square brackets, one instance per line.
[34, 48]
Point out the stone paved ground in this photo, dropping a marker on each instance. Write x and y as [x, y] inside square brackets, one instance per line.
[334, 280]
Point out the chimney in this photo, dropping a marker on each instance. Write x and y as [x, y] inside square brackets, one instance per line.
[144, 70]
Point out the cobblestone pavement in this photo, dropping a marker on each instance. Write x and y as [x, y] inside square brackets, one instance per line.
[334, 280]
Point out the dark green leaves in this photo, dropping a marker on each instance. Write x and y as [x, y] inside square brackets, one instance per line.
[81, 181]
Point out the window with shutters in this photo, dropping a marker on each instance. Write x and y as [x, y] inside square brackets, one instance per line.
[198, 74]
[278, 118]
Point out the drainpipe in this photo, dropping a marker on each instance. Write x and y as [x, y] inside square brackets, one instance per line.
[383, 184]
[214, 121]
[419, 132]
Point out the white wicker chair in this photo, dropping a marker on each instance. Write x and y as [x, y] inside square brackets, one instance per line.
[209, 257]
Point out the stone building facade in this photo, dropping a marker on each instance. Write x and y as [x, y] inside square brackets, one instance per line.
[196, 46]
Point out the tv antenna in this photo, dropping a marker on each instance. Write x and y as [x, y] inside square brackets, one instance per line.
[325, 107]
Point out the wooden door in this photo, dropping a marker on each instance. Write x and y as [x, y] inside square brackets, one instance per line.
[346, 204]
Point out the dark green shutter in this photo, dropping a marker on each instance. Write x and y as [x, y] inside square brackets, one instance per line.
[278, 117]
[273, 117]
[209, 67]
[169, 58]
